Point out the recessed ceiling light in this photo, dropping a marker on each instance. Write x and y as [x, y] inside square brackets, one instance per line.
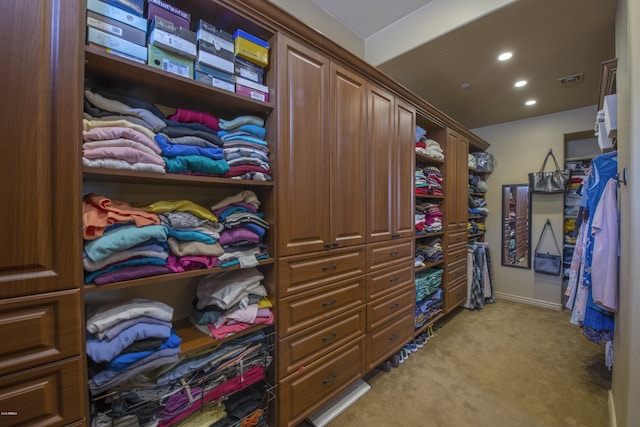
[504, 56]
[530, 102]
[465, 85]
[520, 83]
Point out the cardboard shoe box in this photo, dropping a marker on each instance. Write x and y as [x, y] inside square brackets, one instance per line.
[170, 62]
[117, 14]
[117, 28]
[110, 41]
[165, 35]
[169, 12]
[212, 56]
[251, 48]
[132, 6]
[248, 70]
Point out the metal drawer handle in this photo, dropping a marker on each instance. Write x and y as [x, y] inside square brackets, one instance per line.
[394, 306]
[326, 304]
[333, 335]
[393, 337]
[330, 380]
[393, 279]
[333, 267]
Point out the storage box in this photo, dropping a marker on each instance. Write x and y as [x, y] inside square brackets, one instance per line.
[120, 54]
[170, 62]
[220, 59]
[252, 93]
[604, 142]
[167, 11]
[116, 43]
[164, 34]
[251, 48]
[118, 14]
[117, 28]
[611, 115]
[214, 81]
[248, 70]
[253, 85]
[135, 7]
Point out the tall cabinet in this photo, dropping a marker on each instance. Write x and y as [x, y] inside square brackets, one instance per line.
[456, 186]
[40, 272]
[321, 204]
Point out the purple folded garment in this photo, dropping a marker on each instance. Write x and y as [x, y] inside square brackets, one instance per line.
[130, 273]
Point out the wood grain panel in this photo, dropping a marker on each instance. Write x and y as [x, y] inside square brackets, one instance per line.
[385, 309]
[385, 341]
[40, 146]
[385, 281]
[404, 144]
[40, 328]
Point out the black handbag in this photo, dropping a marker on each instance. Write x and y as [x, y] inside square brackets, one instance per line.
[556, 181]
[547, 263]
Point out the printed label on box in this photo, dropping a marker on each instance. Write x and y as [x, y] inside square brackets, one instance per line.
[104, 26]
[175, 68]
[173, 42]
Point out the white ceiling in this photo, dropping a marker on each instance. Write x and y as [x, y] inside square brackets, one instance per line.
[367, 17]
[550, 39]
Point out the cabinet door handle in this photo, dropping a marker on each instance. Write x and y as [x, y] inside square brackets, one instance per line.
[327, 245]
[394, 306]
[335, 244]
[333, 335]
[393, 337]
[330, 380]
[334, 266]
[326, 304]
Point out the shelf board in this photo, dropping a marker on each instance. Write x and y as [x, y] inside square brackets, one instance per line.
[428, 196]
[90, 288]
[428, 265]
[430, 322]
[579, 158]
[194, 340]
[136, 177]
[477, 217]
[478, 194]
[160, 87]
[473, 236]
[421, 236]
[421, 158]
[474, 170]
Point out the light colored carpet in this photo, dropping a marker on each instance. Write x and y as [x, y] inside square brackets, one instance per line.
[508, 364]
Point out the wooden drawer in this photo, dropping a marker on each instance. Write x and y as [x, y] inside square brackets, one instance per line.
[51, 395]
[455, 294]
[456, 271]
[39, 329]
[305, 391]
[385, 341]
[308, 308]
[456, 253]
[385, 309]
[302, 348]
[456, 237]
[308, 272]
[385, 254]
[385, 281]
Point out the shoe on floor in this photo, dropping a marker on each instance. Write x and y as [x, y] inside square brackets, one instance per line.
[385, 366]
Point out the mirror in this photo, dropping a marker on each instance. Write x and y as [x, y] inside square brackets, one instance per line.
[516, 232]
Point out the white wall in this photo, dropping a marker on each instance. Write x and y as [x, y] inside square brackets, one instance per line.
[321, 21]
[519, 148]
[625, 394]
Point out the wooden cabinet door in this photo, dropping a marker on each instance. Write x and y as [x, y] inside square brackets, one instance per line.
[382, 168]
[40, 146]
[404, 144]
[348, 175]
[456, 183]
[302, 199]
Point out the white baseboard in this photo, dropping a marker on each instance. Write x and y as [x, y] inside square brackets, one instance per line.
[530, 301]
[612, 411]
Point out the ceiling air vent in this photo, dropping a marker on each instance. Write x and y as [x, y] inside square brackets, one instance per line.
[572, 79]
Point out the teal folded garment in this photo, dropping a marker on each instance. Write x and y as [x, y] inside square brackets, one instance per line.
[196, 164]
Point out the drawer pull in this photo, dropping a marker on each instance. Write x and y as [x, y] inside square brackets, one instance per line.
[394, 306]
[333, 267]
[333, 335]
[393, 279]
[330, 380]
[394, 253]
[326, 304]
[393, 337]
